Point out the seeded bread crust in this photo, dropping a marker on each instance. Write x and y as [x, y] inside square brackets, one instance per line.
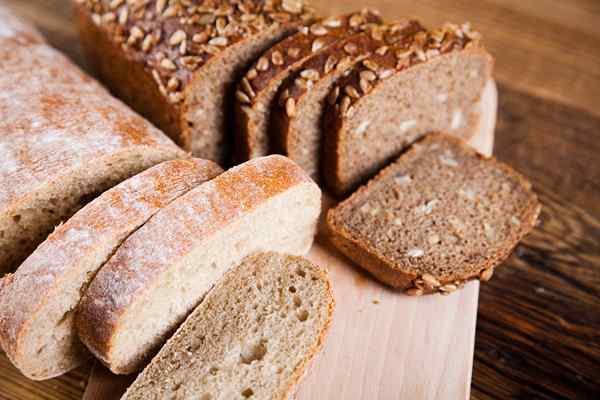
[47, 286]
[167, 43]
[147, 255]
[389, 270]
[257, 90]
[63, 139]
[339, 58]
[416, 48]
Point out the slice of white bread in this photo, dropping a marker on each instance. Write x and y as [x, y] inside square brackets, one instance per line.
[63, 140]
[37, 303]
[163, 270]
[252, 337]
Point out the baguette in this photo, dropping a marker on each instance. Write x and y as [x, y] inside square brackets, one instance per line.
[162, 271]
[37, 303]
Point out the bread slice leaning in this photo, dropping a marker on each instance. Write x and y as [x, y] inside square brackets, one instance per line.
[63, 140]
[37, 303]
[440, 215]
[163, 270]
[177, 62]
[252, 337]
[429, 81]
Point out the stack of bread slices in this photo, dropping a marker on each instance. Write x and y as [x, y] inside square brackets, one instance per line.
[131, 251]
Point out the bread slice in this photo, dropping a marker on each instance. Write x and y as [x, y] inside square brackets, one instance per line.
[37, 303]
[440, 215]
[430, 81]
[63, 140]
[302, 102]
[256, 93]
[252, 337]
[14, 29]
[163, 270]
[177, 63]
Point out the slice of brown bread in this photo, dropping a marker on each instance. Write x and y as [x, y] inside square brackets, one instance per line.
[256, 93]
[162, 271]
[13, 28]
[252, 337]
[430, 81]
[302, 101]
[37, 302]
[177, 63]
[440, 215]
[63, 140]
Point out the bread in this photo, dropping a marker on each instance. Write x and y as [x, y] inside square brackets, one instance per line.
[430, 81]
[257, 91]
[298, 119]
[63, 140]
[14, 29]
[178, 63]
[252, 337]
[439, 216]
[37, 303]
[162, 271]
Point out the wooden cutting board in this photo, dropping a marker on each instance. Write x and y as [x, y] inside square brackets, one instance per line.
[382, 344]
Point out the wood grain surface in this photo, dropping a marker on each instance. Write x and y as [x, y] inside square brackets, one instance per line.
[538, 329]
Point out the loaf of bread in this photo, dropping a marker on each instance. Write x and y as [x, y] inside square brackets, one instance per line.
[256, 93]
[440, 215]
[428, 81]
[302, 102]
[252, 337]
[37, 303]
[63, 140]
[177, 63]
[162, 271]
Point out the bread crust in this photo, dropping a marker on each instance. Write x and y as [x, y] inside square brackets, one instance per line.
[42, 280]
[252, 104]
[237, 191]
[385, 269]
[417, 47]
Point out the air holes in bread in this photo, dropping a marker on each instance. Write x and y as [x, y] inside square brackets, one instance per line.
[16, 218]
[300, 272]
[253, 352]
[213, 370]
[297, 301]
[247, 393]
[292, 289]
[302, 315]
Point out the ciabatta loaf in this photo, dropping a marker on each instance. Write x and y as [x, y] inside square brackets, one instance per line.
[440, 215]
[37, 303]
[63, 140]
[162, 271]
[428, 81]
[252, 337]
[177, 62]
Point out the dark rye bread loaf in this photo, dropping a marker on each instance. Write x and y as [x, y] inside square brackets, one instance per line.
[429, 81]
[252, 337]
[256, 93]
[440, 215]
[297, 120]
[177, 61]
[63, 140]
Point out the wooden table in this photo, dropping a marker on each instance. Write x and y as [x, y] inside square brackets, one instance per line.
[538, 331]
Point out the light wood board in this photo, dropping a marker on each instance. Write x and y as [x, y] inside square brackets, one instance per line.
[382, 344]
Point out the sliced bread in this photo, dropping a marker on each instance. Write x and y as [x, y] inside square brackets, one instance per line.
[440, 215]
[162, 271]
[63, 140]
[13, 28]
[177, 63]
[429, 81]
[256, 93]
[252, 337]
[37, 303]
[302, 101]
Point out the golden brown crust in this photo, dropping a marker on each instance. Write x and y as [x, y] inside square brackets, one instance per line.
[387, 271]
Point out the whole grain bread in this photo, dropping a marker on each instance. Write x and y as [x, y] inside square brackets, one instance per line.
[63, 140]
[256, 92]
[428, 81]
[302, 100]
[162, 271]
[439, 216]
[177, 63]
[37, 303]
[252, 337]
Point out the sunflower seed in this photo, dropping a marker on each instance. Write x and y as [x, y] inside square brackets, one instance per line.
[333, 95]
[332, 22]
[262, 64]
[414, 292]
[242, 97]
[351, 48]
[329, 64]
[486, 274]
[168, 64]
[218, 41]
[345, 105]
[247, 88]
[293, 52]
[252, 74]
[317, 45]
[177, 38]
[318, 30]
[449, 288]
[290, 107]
[415, 253]
[430, 280]
[351, 91]
[372, 65]
[277, 58]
